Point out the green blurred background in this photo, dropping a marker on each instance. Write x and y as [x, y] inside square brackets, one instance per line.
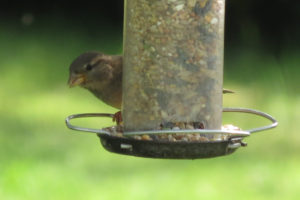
[41, 159]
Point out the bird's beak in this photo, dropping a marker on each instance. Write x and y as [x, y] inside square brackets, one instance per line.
[76, 79]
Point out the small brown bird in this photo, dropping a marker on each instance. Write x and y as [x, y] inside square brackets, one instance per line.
[99, 73]
[102, 75]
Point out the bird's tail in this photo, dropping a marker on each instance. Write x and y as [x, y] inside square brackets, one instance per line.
[225, 91]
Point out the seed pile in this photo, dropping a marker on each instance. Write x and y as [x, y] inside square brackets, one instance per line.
[177, 137]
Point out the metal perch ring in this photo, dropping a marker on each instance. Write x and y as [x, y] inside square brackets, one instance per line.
[174, 150]
[203, 131]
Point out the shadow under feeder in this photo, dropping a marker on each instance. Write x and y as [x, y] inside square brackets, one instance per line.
[173, 74]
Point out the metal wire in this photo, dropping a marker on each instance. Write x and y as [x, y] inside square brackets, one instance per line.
[256, 112]
[182, 131]
[84, 115]
[188, 131]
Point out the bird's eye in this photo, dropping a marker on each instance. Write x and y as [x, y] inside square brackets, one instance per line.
[88, 67]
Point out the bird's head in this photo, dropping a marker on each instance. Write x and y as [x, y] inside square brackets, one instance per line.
[90, 69]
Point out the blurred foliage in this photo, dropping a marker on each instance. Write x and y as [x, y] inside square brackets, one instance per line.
[42, 159]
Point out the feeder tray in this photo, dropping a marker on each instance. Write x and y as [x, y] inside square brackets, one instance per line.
[167, 149]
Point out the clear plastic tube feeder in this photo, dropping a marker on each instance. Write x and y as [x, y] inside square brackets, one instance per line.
[172, 84]
[173, 64]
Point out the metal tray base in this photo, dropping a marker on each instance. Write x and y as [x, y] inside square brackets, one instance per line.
[164, 149]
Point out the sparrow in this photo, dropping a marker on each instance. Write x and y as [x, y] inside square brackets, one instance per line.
[101, 74]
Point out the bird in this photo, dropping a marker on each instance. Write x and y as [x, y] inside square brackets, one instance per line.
[101, 74]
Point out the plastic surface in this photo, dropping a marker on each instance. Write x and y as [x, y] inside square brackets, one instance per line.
[157, 149]
[173, 63]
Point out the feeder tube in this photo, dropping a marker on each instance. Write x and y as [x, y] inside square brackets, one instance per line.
[173, 63]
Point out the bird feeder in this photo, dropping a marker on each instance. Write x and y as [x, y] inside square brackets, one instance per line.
[172, 83]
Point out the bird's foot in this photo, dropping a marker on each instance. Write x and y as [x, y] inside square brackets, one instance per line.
[118, 118]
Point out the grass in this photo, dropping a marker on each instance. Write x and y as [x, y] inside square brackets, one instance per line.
[42, 159]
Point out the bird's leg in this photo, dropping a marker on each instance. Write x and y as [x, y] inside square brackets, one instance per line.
[118, 118]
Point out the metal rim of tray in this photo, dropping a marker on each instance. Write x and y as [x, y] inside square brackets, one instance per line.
[233, 133]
